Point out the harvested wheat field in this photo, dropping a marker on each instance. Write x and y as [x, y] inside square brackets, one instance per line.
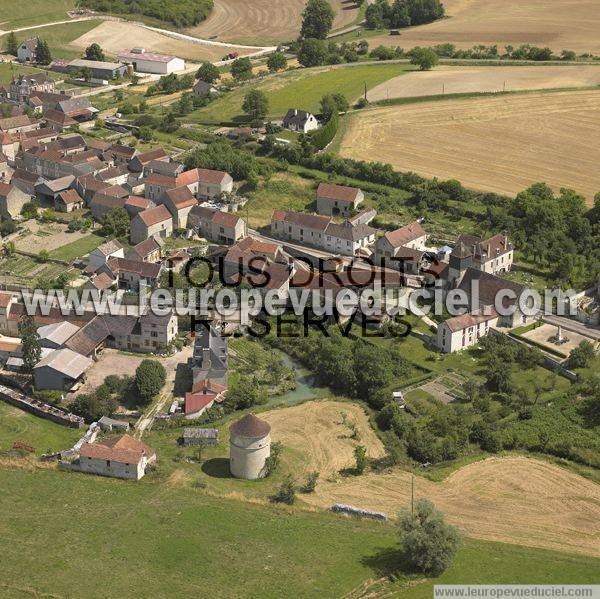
[501, 144]
[264, 21]
[513, 499]
[322, 431]
[558, 24]
[116, 36]
[459, 80]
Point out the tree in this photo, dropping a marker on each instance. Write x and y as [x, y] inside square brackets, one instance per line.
[277, 62]
[150, 377]
[581, 355]
[360, 455]
[185, 104]
[94, 52]
[333, 103]
[312, 53]
[32, 349]
[241, 69]
[208, 72]
[317, 20]
[256, 104]
[116, 223]
[311, 482]
[286, 492]
[428, 543]
[85, 73]
[12, 45]
[42, 52]
[424, 58]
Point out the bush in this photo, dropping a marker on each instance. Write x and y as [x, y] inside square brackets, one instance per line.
[360, 455]
[321, 138]
[428, 543]
[272, 462]
[286, 492]
[311, 482]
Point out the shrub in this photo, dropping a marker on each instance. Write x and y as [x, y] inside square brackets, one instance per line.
[311, 482]
[286, 492]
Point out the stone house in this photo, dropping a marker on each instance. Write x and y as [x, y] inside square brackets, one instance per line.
[68, 200]
[334, 200]
[148, 250]
[460, 332]
[27, 51]
[217, 226]
[136, 204]
[11, 200]
[179, 202]
[389, 248]
[493, 255]
[102, 203]
[203, 89]
[103, 253]
[139, 161]
[130, 274]
[117, 457]
[18, 124]
[155, 221]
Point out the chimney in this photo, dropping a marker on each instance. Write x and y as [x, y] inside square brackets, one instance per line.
[206, 358]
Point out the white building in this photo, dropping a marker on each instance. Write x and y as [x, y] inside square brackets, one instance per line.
[149, 62]
[249, 447]
[119, 457]
[460, 332]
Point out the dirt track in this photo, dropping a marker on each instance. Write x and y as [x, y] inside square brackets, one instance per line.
[455, 80]
[263, 21]
[558, 24]
[501, 144]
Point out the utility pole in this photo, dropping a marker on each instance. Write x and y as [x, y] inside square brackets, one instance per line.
[412, 494]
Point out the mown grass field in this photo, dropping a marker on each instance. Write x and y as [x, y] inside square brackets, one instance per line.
[71, 529]
[58, 37]
[19, 426]
[302, 88]
[78, 248]
[9, 70]
[14, 15]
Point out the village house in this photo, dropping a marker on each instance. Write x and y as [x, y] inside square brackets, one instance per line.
[68, 200]
[88, 185]
[48, 190]
[139, 161]
[493, 255]
[460, 332]
[57, 121]
[60, 370]
[102, 203]
[27, 51]
[117, 457]
[103, 253]
[169, 168]
[203, 183]
[121, 154]
[136, 204]
[114, 175]
[148, 250]
[23, 86]
[203, 89]
[321, 232]
[217, 226]
[334, 200]
[11, 200]
[5, 170]
[364, 217]
[55, 335]
[131, 274]
[179, 202]
[209, 361]
[18, 124]
[393, 250]
[300, 120]
[25, 181]
[154, 221]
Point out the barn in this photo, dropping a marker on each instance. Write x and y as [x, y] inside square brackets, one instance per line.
[148, 62]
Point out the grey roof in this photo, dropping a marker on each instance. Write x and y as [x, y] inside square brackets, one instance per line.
[296, 117]
[349, 232]
[58, 184]
[95, 64]
[67, 362]
[200, 433]
[58, 332]
[109, 247]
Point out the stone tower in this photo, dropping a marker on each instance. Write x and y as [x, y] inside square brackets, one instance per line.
[249, 447]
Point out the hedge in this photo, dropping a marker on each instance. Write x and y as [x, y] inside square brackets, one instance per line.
[323, 137]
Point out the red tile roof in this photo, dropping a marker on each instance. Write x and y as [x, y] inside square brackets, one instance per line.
[194, 402]
[155, 215]
[458, 323]
[405, 234]
[70, 196]
[341, 193]
[124, 449]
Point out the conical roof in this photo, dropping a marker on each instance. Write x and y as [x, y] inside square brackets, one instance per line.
[250, 426]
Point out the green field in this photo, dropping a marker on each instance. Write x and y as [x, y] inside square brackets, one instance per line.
[14, 15]
[147, 540]
[301, 88]
[78, 248]
[58, 37]
[19, 426]
[8, 70]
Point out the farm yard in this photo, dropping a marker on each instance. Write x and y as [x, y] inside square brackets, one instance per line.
[116, 36]
[462, 79]
[538, 136]
[263, 21]
[560, 25]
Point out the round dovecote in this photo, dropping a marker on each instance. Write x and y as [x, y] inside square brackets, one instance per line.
[249, 447]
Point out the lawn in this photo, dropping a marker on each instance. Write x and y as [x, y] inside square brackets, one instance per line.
[8, 70]
[19, 426]
[58, 37]
[14, 15]
[181, 542]
[78, 248]
[300, 88]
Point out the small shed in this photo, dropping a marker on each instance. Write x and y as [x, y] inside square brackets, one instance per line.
[110, 424]
[200, 436]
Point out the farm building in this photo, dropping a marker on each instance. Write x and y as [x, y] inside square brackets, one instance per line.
[11, 200]
[60, 370]
[148, 62]
[99, 69]
[200, 436]
[119, 457]
[335, 200]
[110, 424]
[249, 447]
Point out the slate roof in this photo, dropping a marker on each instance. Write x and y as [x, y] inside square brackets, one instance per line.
[250, 426]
